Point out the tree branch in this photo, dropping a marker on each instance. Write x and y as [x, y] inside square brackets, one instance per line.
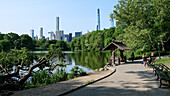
[26, 76]
[4, 69]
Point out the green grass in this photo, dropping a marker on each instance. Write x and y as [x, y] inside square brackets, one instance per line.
[165, 61]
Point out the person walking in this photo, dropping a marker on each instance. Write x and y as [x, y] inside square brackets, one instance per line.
[144, 57]
[132, 56]
[152, 54]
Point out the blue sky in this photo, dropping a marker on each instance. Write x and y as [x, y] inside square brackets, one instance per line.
[20, 16]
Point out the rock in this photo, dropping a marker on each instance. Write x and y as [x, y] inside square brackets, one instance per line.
[105, 69]
[96, 70]
[101, 69]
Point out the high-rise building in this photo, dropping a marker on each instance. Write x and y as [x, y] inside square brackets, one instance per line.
[36, 37]
[62, 34]
[58, 33]
[112, 23]
[41, 33]
[66, 37]
[78, 34]
[57, 23]
[50, 35]
[32, 33]
[98, 13]
[53, 36]
[70, 37]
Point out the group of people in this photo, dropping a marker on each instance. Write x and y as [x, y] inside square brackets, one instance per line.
[145, 60]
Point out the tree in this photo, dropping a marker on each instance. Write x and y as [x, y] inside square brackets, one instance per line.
[140, 18]
[26, 41]
[13, 37]
[40, 42]
[61, 44]
[5, 45]
[16, 67]
[2, 36]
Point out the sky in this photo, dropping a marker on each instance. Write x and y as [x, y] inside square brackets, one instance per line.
[20, 16]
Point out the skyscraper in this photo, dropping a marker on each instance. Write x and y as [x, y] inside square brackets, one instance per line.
[32, 33]
[98, 13]
[70, 37]
[36, 37]
[41, 33]
[66, 37]
[112, 23]
[50, 35]
[62, 34]
[78, 34]
[58, 33]
[57, 23]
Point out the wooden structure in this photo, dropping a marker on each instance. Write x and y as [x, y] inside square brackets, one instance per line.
[114, 46]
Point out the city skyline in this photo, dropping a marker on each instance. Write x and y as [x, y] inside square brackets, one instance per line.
[21, 16]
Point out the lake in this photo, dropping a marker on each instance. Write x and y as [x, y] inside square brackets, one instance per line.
[88, 61]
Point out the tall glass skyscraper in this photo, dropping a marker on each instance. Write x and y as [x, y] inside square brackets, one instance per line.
[32, 33]
[69, 37]
[50, 35]
[98, 13]
[41, 33]
[78, 34]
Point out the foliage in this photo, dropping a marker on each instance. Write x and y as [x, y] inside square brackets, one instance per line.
[16, 66]
[45, 77]
[14, 58]
[76, 71]
[26, 41]
[143, 23]
[94, 41]
[47, 44]
[14, 41]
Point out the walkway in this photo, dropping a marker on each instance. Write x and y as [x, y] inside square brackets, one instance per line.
[130, 79]
[65, 86]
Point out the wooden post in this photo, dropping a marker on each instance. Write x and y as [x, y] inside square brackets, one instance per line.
[118, 60]
[113, 57]
[125, 58]
[121, 55]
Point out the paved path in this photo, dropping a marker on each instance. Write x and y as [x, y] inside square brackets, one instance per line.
[64, 86]
[129, 80]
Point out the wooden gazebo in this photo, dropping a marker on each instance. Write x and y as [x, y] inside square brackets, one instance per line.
[114, 46]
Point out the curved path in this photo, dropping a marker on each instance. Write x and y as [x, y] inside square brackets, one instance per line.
[130, 79]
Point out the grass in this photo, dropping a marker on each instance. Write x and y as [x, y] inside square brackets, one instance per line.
[165, 61]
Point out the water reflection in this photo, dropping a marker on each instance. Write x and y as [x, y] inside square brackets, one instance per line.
[91, 60]
[88, 61]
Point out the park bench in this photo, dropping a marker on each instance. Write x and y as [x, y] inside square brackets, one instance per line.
[162, 71]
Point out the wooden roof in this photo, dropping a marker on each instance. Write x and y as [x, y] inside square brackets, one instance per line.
[116, 45]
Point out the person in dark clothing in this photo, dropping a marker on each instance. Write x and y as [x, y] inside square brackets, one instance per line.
[144, 57]
[149, 59]
[132, 56]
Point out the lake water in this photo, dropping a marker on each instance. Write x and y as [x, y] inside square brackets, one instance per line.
[88, 61]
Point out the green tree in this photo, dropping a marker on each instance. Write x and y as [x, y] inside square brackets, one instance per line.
[16, 69]
[139, 19]
[26, 41]
[13, 37]
[40, 42]
[5, 45]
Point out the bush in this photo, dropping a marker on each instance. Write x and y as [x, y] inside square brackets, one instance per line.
[45, 77]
